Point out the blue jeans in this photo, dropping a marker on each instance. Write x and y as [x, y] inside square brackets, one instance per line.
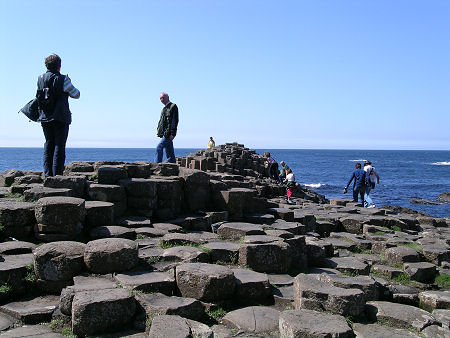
[367, 199]
[166, 143]
[55, 133]
[358, 191]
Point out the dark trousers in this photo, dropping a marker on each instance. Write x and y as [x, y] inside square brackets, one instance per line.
[360, 191]
[55, 133]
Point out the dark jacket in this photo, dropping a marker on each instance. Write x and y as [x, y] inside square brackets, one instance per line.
[168, 122]
[359, 175]
[61, 112]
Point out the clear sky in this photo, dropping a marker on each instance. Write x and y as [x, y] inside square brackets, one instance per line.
[270, 74]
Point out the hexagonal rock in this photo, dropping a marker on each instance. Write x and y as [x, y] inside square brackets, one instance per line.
[223, 251]
[421, 272]
[99, 213]
[401, 254]
[112, 231]
[347, 264]
[365, 283]
[377, 330]
[140, 187]
[256, 319]
[259, 239]
[110, 193]
[185, 253]
[436, 331]
[399, 315]
[97, 312]
[59, 260]
[251, 285]
[42, 330]
[312, 294]
[111, 255]
[36, 193]
[13, 270]
[32, 311]
[353, 224]
[270, 257]
[75, 183]
[181, 239]
[16, 248]
[388, 271]
[236, 230]
[308, 323]
[178, 327]
[60, 214]
[147, 281]
[157, 303]
[111, 174]
[134, 222]
[435, 299]
[17, 218]
[206, 282]
[436, 255]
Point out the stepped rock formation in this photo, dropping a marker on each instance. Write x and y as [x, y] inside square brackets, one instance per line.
[208, 247]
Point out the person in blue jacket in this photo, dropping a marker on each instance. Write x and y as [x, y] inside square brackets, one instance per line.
[359, 184]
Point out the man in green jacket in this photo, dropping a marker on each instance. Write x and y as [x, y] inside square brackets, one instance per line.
[284, 167]
[167, 129]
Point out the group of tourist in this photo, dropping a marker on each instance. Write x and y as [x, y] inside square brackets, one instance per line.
[283, 176]
[363, 182]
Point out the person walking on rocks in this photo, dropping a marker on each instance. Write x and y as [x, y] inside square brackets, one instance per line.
[284, 168]
[359, 184]
[372, 175]
[290, 184]
[271, 166]
[55, 117]
[167, 129]
[211, 143]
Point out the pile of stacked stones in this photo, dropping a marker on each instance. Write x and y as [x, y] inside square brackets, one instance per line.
[161, 250]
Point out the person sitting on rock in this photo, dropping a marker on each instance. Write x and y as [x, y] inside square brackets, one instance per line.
[271, 166]
[359, 184]
[290, 184]
[282, 175]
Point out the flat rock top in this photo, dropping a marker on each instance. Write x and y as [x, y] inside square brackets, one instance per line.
[260, 239]
[246, 276]
[68, 248]
[93, 296]
[98, 204]
[280, 279]
[188, 238]
[82, 283]
[168, 227]
[256, 319]
[15, 261]
[222, 246]
[140, 277]
[349, 281]
[32, 331]
[16, 247]
[108, 245]
[242, 226]
[204, 269]
[307, 282]
[163, 301]
[377, 330]
[134, 221]
[36, 305]
[60, 200]
[15, 205]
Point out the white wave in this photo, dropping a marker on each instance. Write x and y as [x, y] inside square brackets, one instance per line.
[314, 185]
[356, 160]
[440, 163]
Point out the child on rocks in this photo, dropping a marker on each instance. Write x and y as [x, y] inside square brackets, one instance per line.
[290, 184]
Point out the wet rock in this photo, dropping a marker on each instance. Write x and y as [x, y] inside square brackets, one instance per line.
[308, 323]
[206, 282]
[254, 319]
[111, 255]
[59, 260]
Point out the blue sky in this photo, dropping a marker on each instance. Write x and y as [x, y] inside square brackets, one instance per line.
[286, 74]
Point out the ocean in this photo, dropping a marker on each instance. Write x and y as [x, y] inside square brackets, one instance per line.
[405, 175]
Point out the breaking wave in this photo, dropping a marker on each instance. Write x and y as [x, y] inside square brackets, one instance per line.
[314, 185]
[356, 160]
[441, 163]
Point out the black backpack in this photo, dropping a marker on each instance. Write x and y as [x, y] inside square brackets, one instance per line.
[46, 96]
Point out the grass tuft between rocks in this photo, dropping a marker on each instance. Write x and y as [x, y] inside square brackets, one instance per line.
[442, 280]
[165, 245]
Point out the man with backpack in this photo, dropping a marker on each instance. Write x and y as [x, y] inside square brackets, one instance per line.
[371, 174]
[55, 117]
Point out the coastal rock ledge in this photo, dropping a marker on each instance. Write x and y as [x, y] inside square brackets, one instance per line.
[208, 247]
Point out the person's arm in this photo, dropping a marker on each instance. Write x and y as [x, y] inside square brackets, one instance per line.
[350, 180]
[174, 124]
[377, 176]
[70, 89]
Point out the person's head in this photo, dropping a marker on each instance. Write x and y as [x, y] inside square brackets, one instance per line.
[266, 154]
[358, 165]
[53, 63]
[367, 162]
[211, 138]
[282, 163]
[164, 98]
[288, 171]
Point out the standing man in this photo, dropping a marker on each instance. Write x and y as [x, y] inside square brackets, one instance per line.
[167, 129]
[211, 143]
[53, 94]
[372, 175]
[359, 185]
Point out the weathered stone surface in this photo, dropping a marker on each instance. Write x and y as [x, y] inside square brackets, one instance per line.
[259, 239]
[365, 283]
[112, 231]
[223, 252]
[16, 248]
[435, 299]
[251, 285]
[134, 222]
[168, 227]
[196, 190]
[280, 280]
[99, 213]
[170, 326]
[399, 315]
[254, 319]
[111, 255]
[111, 174]
[60, 211]
[32, 331]
[32, 311]
[59, 260]
[97, 312]
[185, 253]
[387, 271]
[270, 257]
[147, 281]
[421, 272]
[181, 239]
[348, 265]
[442, 316]
[150, 232]
[17, 218]
[236, 230]
[206, 282]
[13, 269]
[36, 193]
[308, 323]
[75, 183]
[312, 294]
[401, 254]
[377, 330]
[110, 193]
[157, 303]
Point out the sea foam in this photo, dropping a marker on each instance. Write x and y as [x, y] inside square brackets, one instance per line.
[441, 163]
[314, 185]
